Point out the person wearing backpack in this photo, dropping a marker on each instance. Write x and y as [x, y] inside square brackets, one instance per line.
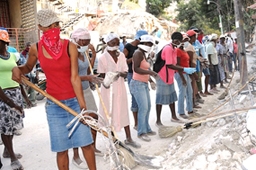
[165, 92]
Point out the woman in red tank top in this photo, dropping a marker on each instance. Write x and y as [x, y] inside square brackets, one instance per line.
[59, 61]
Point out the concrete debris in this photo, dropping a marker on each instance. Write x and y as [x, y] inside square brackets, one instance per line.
[133, 21]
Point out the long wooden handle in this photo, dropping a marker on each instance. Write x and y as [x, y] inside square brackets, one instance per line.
[223, 114]
[98, 90]
[68, 109]
[240, 89]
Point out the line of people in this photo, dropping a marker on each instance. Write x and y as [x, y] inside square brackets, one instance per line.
[66, 68]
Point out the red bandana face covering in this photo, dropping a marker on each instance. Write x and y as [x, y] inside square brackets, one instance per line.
[52, 43]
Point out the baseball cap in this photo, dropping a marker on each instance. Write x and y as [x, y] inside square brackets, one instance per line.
[140, 33]
[46, 17]
[222, 36]
[4, 36]
[194, 28]
[190, 33]
[147, 38]
[214, 37]
[184, 35]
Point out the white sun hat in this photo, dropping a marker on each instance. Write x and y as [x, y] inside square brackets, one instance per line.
[147, 38]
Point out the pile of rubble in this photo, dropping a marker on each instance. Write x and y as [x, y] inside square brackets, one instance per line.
[218, 144]
[127, 23]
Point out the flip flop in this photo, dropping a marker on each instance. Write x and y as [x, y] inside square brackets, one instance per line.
[132, 143]
[17, 155]
[99, 153]
[176, 120]
[16, 165]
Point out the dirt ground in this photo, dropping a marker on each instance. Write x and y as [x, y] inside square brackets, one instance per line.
[221, 144]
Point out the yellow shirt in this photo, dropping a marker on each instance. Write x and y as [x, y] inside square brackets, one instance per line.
[6, 66]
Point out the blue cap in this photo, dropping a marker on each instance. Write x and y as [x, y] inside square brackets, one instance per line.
[140, 33]
[2, 28]
[11, 49]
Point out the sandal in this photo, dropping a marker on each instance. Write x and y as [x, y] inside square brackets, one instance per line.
[132, 143]
[80, 165]
[176, 120]
[99, 153]
[17, 155]
[16, 165]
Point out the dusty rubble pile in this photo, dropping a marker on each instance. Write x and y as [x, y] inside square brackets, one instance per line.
[127, 23]
[221, 144]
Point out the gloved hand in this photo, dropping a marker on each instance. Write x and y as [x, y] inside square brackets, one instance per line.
[153, 85]
[189, 70]
[95, 79]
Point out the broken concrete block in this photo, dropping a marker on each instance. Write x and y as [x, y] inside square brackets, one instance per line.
[225, 154]
[222, 122]
[200, 163]
[212, 166]
[213, 157]
[242, 98]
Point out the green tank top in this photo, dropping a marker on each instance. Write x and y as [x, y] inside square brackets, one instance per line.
[6, 66]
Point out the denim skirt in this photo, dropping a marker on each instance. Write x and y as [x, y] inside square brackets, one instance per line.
[165, 93]
[58, 118]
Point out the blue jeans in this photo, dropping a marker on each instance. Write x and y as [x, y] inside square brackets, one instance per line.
[134, 107]
[140, 90]
[184, 92]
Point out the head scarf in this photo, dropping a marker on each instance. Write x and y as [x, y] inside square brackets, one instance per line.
[110, 37]
[80, 34]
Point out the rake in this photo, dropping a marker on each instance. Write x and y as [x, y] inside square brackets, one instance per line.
[150, 161]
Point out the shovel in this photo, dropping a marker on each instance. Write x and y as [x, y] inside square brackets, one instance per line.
[150, 161]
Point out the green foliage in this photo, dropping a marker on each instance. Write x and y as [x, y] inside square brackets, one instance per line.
[206, 16]
[156, 7]
[130, 5]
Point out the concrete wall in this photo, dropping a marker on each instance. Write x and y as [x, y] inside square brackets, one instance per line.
[15, 13]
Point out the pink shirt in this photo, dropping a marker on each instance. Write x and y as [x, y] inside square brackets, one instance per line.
[142, 77]
[169, 54]
[235, 48]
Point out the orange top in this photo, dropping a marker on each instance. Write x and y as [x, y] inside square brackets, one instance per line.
[142, 77]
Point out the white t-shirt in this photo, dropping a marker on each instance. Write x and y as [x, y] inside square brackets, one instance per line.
[229, 43]
[211, 50]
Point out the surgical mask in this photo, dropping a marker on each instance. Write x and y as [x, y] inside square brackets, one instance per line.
[115, 48]
[145, 48]
[186, 44]
[178, 46]
[82, 49]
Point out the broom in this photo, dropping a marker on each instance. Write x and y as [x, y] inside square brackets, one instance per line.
[237, 92]
[127, 157]
[130, 157]
[169, 131]
[150, 161]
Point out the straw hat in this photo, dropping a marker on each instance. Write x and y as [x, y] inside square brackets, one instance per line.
[46, 17]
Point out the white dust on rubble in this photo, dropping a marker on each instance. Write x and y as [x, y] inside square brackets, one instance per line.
[127, 23]
[218, 144]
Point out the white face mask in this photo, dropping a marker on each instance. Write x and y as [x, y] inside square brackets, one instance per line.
[186, 44]
[145, 48]
[115, 48]
[82, 49]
